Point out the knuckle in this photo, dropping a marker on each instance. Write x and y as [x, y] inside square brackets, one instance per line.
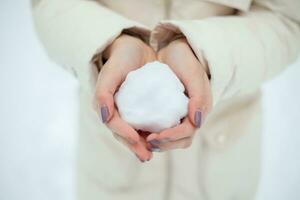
[198, 101]
[206, 107]
[116, 136]
[110, 125]
[187, 129]
[166, 139]
[100, 95]
[203, 103]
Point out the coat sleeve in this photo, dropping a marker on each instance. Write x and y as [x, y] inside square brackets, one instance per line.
[241, 51]
[75, 32]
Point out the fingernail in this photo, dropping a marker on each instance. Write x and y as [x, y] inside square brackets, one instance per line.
[154, 142]
[197, 118]
[139, 158]
[104, 113]
[155, 149]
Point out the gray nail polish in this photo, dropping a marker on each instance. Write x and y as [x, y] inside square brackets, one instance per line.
[155, 149]
[198, 119]
[154, 142]
[104, 113]
[139, 158]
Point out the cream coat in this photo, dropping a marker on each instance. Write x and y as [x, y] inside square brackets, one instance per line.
[242, 50]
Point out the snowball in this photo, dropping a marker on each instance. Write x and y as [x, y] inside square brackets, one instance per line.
[152, 98]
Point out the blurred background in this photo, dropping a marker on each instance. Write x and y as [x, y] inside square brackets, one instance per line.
[39, 113]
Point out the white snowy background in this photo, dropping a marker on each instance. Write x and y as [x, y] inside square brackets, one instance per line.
[39, 110]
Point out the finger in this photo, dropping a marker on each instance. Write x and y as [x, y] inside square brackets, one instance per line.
[117, 125]
[198, 90]
[194, 77]
[178, 144]
[108, 81]
[183, 130]
[124, 130]
[200, 101]
[141, 150]
[136, 149]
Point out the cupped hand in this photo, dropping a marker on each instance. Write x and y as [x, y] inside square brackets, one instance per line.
[182, 60]
[125, 54]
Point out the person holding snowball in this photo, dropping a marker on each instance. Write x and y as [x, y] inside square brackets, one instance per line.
[221, 50]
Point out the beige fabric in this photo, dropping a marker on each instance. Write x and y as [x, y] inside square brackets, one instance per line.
[258, 42]
[242, 50]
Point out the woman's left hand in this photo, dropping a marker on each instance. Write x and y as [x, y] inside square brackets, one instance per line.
[181, 59]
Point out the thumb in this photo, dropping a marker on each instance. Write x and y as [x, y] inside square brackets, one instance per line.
[199, 93]
[107, 84]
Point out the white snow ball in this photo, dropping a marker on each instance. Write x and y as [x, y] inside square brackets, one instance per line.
[152, 98]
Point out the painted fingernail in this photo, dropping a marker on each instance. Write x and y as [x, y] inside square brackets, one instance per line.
[104, 113]
[155, 149]
[154, 142]
[139, 158]
[197, 118]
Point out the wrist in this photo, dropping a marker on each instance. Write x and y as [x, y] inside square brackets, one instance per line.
[183, 42]
[123, 39]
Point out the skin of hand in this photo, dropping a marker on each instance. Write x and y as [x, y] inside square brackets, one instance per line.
[125, 54]
[194, 76]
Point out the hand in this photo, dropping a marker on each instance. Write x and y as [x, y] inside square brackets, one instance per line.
[125, 54]
[180, 57]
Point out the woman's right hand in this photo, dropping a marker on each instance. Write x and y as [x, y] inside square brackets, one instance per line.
[125, 54]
